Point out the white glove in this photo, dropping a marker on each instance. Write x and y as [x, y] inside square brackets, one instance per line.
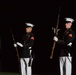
[55, 38]
[21, 45]
[30, 47]
[30, 51]
[15, 45]
[69, 54]
[70, 44]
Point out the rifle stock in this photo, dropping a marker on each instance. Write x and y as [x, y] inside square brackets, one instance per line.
[56, 33]
[53, 49]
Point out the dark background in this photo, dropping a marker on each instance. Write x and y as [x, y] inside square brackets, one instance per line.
[43, 14]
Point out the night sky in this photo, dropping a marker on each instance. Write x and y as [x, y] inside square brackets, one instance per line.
[44, 15]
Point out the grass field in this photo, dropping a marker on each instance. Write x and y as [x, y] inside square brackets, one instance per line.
[5, 73]
[8, 73]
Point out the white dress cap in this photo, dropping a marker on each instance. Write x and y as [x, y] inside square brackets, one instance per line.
[29, 24]
[69, 19]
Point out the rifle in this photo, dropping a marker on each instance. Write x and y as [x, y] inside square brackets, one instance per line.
[14, 43]
[56, 33]
[16, 49]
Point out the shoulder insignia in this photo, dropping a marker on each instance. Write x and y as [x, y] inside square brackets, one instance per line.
[32, 38]
[70, 35]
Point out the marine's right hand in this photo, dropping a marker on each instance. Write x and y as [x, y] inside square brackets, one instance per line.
[15, 45]
[55, 38]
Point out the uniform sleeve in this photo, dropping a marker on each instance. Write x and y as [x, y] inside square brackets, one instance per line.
[70, 37]
[69, 41]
